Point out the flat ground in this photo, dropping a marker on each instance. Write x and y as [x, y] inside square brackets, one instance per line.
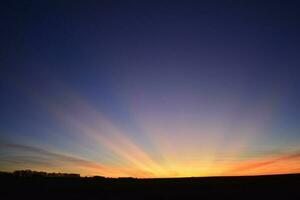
[253, 187]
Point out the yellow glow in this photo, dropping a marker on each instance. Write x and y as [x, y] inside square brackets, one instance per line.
[186, 149]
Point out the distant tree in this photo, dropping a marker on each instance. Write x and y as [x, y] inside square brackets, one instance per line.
[98, 177]
[30, 173]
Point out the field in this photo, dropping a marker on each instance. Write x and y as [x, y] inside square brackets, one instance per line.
[252, 187]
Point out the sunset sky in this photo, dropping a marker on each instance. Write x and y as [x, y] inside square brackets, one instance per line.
[150, 88]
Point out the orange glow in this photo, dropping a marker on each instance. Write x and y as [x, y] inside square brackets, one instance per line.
[185, 149]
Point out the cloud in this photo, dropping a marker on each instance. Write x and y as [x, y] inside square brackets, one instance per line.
[39, 155]
[20, 156]
[254, 165]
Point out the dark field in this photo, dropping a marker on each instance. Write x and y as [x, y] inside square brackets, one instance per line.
[254, 187]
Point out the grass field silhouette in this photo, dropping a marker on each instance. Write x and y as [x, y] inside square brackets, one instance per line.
[72, 186]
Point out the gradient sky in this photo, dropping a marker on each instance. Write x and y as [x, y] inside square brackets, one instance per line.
[150, 88]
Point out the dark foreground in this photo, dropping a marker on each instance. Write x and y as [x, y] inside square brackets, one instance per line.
[256, 187]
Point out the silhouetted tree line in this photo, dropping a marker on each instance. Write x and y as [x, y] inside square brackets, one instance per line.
[31, 173]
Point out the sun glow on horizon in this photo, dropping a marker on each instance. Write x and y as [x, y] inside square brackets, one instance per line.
[182, 149]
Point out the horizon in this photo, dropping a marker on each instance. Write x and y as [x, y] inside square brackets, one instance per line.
[150, 89]
[66, 174]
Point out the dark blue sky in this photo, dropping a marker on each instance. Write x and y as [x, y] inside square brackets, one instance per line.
[162, 73]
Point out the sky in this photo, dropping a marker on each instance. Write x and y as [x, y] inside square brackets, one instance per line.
[150, 88]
